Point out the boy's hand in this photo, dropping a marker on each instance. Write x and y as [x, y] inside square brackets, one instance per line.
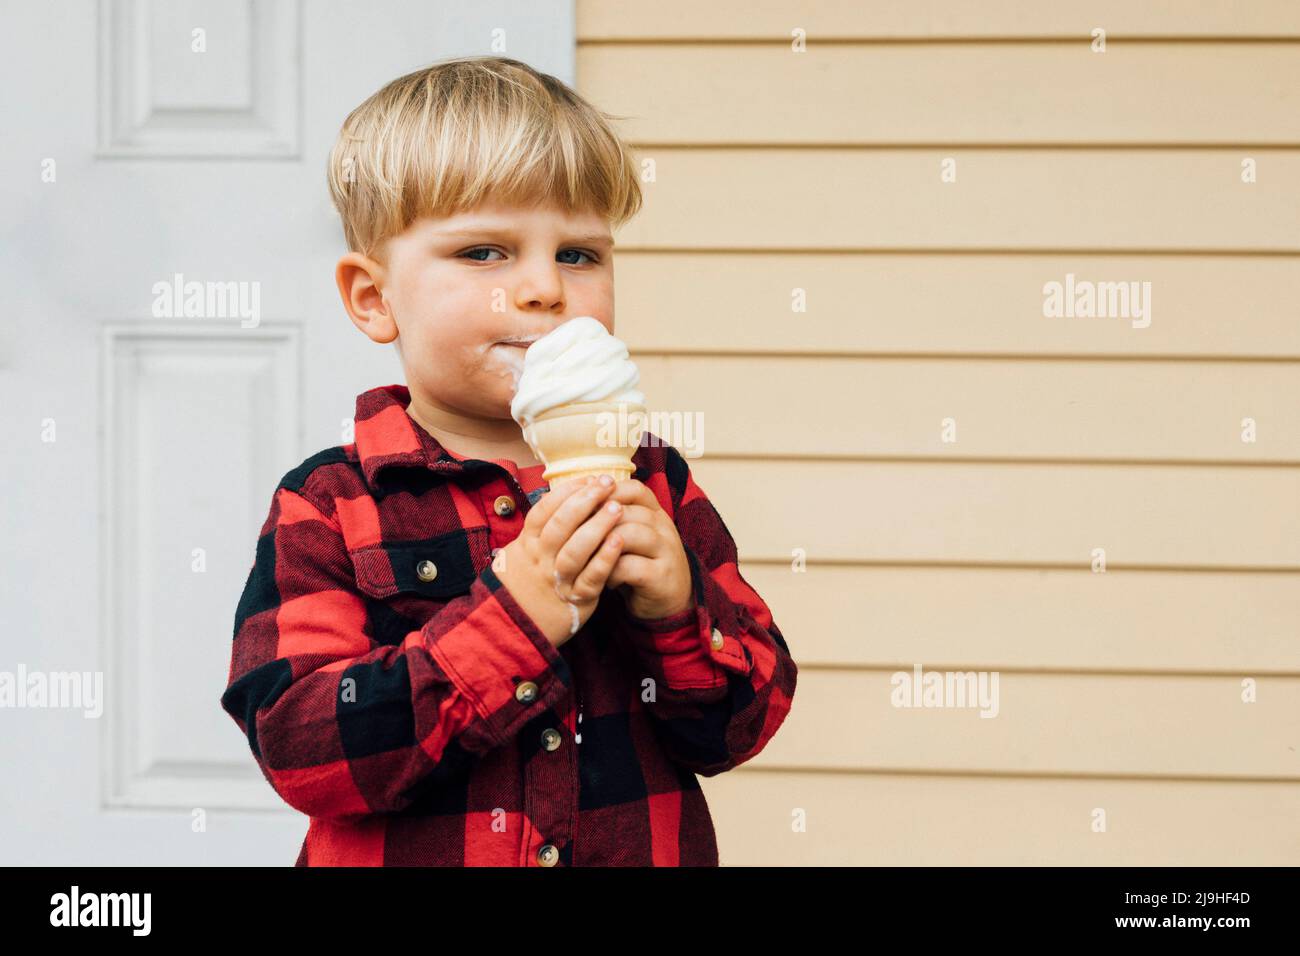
[556, 568]
[652, 573]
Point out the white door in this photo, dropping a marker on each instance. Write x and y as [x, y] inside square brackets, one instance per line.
[151, 146]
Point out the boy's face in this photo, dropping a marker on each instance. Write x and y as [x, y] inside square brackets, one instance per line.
[459, 289]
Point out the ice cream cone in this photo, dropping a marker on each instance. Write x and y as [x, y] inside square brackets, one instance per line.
[587, 438]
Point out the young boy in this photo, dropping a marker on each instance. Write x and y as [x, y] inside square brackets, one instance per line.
[402, 662]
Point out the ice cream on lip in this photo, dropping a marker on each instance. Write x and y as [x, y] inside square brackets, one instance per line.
[579, 361]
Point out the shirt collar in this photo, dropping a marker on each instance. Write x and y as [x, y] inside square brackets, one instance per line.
[386, 436]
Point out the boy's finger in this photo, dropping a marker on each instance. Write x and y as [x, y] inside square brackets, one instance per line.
[637, 538]
[633, 492]
[573, 511]
[638, 514]
[591, 580]
[546, 505]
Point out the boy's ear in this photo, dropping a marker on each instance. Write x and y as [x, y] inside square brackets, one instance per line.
[361, 285]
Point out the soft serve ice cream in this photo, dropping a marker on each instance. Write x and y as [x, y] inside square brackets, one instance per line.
[578, 405]
[580, 361]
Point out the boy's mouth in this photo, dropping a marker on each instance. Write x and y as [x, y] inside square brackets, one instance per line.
[512, 353]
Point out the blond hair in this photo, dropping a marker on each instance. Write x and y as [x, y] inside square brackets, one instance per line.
[443, 139]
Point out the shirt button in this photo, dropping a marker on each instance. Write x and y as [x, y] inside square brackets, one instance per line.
[526, 692]
[548, 855]
[504, 506]
[551, 738]
[716, 640]
[426, 570]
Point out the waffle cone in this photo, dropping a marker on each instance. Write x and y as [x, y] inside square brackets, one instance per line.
[587, 438]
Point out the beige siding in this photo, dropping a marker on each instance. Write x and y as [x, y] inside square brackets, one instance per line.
[897, 819]
[943, 304]
[866, 22]
[1023, 93]
[1120, 691]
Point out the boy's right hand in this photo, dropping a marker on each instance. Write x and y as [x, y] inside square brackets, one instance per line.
[564, 552]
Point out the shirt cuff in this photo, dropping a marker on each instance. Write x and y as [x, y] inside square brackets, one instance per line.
[500, 659]
[660, 625]
[694, 648]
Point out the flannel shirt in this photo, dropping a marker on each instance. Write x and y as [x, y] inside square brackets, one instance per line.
[391, 688]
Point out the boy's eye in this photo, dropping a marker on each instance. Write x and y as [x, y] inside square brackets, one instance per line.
[474, 254]
[469, 253]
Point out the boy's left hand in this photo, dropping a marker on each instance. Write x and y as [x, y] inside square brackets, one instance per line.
[652, 573]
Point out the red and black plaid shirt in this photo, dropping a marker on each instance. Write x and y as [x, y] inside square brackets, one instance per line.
[393, 690]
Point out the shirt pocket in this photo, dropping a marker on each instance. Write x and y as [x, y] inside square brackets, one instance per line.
[435, 569]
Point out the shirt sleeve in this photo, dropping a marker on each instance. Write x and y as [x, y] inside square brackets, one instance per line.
[723, 676]
[342, 727]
